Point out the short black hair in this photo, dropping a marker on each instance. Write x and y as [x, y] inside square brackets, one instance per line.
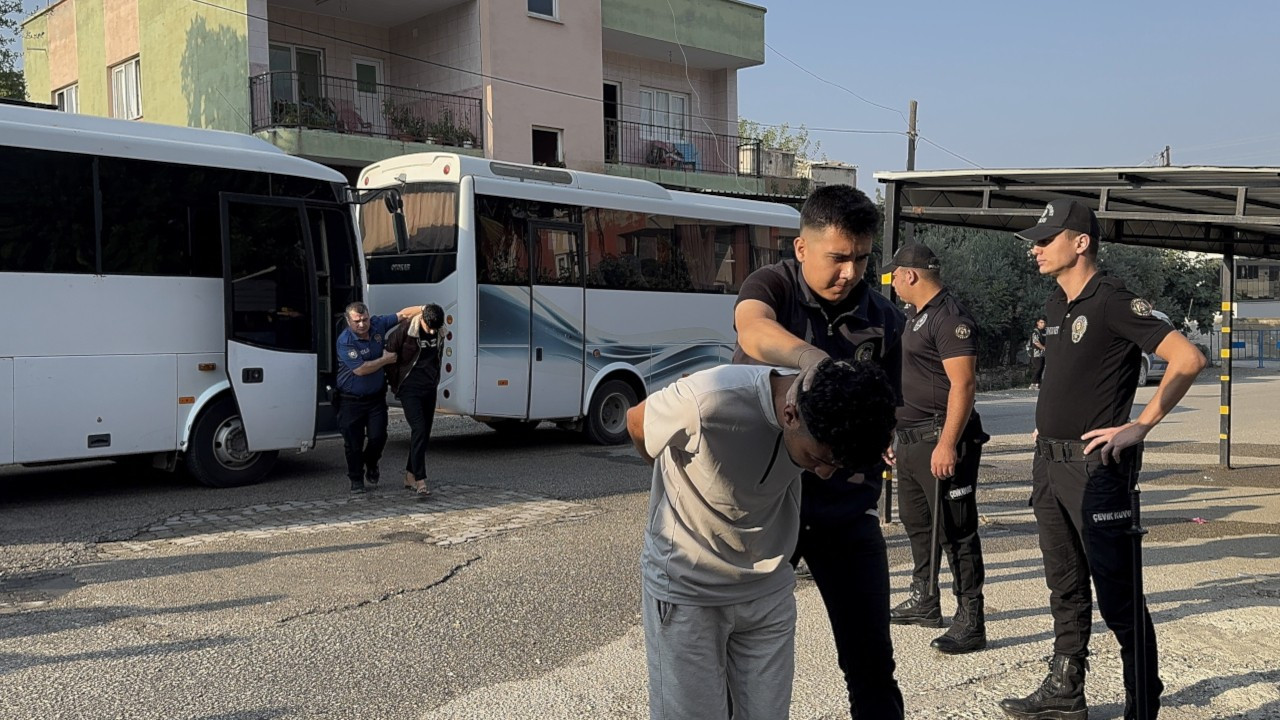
[844, 207]
[850, 408]
[358, 308]
[433, 316]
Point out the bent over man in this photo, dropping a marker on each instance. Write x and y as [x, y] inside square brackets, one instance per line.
[1088, 453]
[728, 446]
[362, 389]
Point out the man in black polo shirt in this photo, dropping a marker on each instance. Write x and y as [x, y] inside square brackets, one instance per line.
[795, 313]
[939, 447]
[1087, 458]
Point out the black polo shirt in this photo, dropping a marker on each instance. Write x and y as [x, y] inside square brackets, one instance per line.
[864, 326]
[942, 329]
[1093, 352]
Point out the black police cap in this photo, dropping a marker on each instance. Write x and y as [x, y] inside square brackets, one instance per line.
[1063, 214]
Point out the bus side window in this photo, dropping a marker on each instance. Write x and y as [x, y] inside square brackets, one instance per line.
[46, 212]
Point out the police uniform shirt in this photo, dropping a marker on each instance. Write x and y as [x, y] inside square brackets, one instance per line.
[940, 330]
[864, 326]
[354, 352]
[1093, 354]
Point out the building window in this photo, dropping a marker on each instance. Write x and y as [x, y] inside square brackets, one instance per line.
[126, 90]
[68, 99]
[296, 73]
[666, 112]
[544, 8]
[547, 147]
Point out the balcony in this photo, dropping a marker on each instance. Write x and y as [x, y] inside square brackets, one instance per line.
[665, 148]
[304, 101]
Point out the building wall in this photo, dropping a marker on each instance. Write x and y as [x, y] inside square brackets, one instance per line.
[193, 57]
[713, 97]
[35, 57]
[121, 30]
[91, 57]
[194, 63]
[354, 39]
[567, 55]
[727, 27]
[447, 39]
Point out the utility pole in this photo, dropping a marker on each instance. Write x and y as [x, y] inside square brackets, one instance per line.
[908, 230]
[911, 138]
[1166, 157]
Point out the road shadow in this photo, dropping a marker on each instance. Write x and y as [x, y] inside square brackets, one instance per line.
[43, 621]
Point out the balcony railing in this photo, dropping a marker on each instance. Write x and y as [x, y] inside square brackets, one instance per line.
[634, 143]
[320, 102]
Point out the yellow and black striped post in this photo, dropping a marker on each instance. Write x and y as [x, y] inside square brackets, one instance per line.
[1224, 355]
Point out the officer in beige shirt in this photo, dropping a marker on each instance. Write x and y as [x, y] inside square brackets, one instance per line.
[718, 606]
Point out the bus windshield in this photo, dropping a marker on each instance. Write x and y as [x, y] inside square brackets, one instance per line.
[431, 213]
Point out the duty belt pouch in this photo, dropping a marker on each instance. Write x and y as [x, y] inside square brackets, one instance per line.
[335, 396]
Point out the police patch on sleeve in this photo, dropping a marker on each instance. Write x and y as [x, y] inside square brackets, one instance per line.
[1140, 307]
[963, 332]
[353, 354]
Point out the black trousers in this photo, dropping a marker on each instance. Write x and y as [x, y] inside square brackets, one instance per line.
[1083, 511]
[420, 412]
[958, 529]
[850, 565]
[1037, 369]
[362, 421]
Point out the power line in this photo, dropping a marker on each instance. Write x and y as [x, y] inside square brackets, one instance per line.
[870, 102]
[835, 84]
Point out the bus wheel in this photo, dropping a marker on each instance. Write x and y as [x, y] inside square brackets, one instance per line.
[218, 455]
[1143, 372]
[607, 417]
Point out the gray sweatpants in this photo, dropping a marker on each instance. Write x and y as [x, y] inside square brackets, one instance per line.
[696, 653]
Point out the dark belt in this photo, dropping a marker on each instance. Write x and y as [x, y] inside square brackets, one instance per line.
[927, 433]
[1064, 450]
[349, 396]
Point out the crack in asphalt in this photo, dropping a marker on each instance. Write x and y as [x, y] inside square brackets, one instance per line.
[385, 596]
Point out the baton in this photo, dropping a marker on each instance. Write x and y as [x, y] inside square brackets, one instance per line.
[1136, 531]
[934, 551]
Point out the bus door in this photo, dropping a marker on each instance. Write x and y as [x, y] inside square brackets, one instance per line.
[556, 342]
[270, 300]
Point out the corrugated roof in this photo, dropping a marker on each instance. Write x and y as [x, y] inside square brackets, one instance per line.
[1208, 209]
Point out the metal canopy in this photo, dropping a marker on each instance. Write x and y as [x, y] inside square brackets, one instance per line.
[1209, 209]
[1230, 211]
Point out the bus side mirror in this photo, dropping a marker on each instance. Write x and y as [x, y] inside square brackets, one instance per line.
[395, 206]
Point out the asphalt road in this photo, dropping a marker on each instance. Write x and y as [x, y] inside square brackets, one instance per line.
[513, 592]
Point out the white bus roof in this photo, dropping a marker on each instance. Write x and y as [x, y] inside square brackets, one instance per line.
[449, 167]
[71, 132]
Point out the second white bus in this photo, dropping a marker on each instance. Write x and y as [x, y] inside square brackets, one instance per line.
[569, 295]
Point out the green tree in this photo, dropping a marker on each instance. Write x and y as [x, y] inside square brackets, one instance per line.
[1182, 285]
[783, 138]
[12, 82]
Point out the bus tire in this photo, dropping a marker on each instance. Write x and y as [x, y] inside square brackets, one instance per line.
[1144, 371]
[216, 455]
[607, 415]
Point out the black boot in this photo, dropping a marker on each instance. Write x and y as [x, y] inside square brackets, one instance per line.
[968, 632]
[921, 608]
[1060, 696]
